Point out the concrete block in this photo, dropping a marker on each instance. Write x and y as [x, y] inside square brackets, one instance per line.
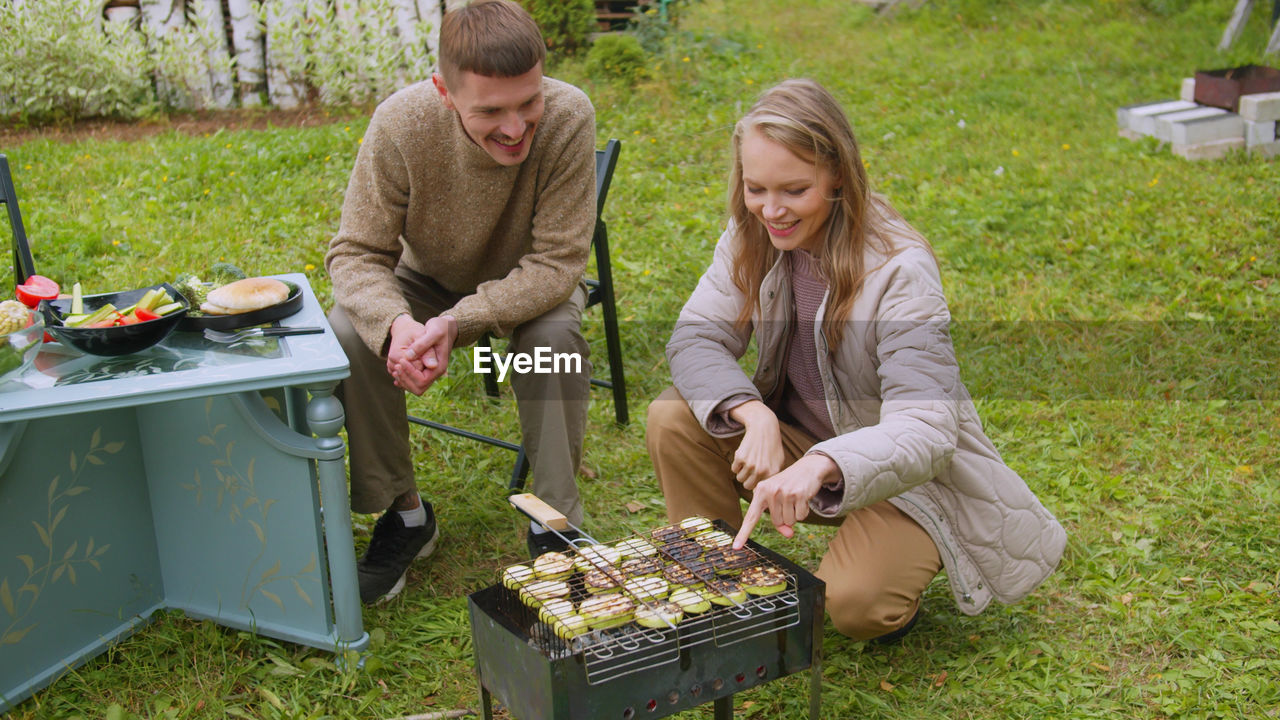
[1207, 129]
[1188, 90]
[1132, 116]
[1164, 122]
[1269, 150]
[1208, 150]
[1259, 133]
[1260, 107]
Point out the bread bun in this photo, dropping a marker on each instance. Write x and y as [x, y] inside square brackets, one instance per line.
[244, 296]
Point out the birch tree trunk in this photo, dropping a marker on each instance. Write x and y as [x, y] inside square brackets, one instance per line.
[412, 45]
[217, 51]
[165, 22]
[246, 40]
[1236, 24]
[283, 18]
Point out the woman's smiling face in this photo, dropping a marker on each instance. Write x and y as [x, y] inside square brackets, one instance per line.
[791, 195]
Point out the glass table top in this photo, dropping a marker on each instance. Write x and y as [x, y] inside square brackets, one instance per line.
[64, 380]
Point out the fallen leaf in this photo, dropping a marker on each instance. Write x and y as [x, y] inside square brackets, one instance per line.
[1186, 579]
[587, 472]
[634, 507]
[1126, 598]
[940, 679]
[1100, 666]
[974, 638]
[886, 686]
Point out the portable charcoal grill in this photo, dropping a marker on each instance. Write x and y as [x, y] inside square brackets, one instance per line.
[636, 672]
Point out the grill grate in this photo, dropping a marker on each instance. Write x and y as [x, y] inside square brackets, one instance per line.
[636, 671]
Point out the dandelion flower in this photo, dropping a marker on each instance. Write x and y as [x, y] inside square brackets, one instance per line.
[1066, 146]
[1016, 153]
[684, 59]
[309, 267]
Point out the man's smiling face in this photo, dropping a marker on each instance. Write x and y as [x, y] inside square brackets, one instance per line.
[499, 114]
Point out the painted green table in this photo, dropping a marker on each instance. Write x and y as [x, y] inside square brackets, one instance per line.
[195, 476]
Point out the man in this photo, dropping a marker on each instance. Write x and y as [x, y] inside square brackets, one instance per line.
[469, 210]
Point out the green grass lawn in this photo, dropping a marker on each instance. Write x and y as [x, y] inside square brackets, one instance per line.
[1116, 315]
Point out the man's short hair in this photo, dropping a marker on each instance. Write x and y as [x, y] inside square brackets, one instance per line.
[494, 38]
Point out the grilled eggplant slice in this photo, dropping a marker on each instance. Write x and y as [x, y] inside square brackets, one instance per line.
[659, 615]
[607, 611]
[553, 566]
[763, 580]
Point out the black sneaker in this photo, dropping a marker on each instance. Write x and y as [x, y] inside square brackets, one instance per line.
[391, 549]
[546, 542]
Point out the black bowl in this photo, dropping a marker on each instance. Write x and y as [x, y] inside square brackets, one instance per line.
[117, 340]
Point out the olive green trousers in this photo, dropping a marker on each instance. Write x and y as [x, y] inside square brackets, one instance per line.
[552, 406]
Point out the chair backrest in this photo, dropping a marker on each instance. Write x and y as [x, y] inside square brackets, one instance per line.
[606, 161]
[24, 265]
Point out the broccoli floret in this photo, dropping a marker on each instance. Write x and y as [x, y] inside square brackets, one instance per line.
[193, 289]
[224, 272]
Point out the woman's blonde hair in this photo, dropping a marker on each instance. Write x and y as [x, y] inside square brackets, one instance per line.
[803, 117]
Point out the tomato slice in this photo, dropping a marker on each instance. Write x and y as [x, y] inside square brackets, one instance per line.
[144, 315]
[37, 288]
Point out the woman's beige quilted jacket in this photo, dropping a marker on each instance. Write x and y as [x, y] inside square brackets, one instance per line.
[906, 428]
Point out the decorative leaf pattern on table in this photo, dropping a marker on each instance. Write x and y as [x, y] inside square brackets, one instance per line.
[53, 562]
[235, 492]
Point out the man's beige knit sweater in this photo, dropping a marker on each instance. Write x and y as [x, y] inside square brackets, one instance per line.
[513, 240]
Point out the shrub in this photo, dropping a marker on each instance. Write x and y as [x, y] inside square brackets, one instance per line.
[355, 55]
[59, 63]
[566, 25]
[616, 57]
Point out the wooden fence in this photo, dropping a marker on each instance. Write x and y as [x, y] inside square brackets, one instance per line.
[246, 50]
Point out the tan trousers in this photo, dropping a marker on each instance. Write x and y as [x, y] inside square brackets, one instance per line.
[876, 566]
[552, 406]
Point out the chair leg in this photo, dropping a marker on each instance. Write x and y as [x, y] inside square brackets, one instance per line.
[490, 382]
[613, 340]
[520, 471]
[618, 381]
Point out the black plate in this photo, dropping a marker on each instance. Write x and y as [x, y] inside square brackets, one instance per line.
[117, 340]
[291, 305]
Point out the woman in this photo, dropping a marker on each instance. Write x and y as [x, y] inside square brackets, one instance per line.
[856, 415]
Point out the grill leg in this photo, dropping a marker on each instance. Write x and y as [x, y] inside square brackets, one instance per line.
[815, 691]
[724, 708]
[486, 703]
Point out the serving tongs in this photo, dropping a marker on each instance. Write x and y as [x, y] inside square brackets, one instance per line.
[220, 336]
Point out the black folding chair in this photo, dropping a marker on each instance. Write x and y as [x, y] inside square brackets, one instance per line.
[24, 266]
[600, 292]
